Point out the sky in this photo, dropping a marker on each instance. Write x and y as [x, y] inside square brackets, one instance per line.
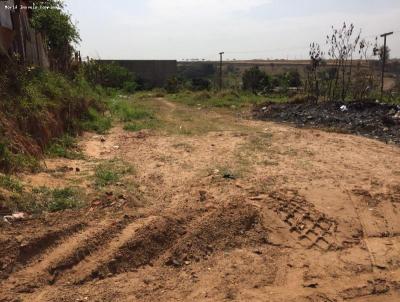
[243, 29]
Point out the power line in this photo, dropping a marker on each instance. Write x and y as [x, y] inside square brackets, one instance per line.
[266, 50]
[213, 57]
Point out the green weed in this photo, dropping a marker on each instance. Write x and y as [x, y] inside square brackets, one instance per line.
[97, 122]
[44, 199]
[10, 162]
[141, 125]
[63, 199]
[111, 172]
[66, 147]
[224, 99]
[136, 115]
[10, 184]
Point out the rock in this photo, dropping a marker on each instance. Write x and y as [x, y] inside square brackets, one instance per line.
[311, 285]
[102, 139]
[14, 217]
[228, 175]
[173, 262]
[77, 170]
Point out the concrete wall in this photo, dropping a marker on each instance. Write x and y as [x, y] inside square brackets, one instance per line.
[155, 73]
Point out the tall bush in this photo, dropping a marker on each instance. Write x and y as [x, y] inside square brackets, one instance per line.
[50, 18]
[255, 80]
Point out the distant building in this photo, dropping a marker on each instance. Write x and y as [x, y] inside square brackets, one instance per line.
[17, 36]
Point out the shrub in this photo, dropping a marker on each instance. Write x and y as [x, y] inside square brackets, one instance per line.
[172, 85]
[110, 75]
[198, 84]
[61, 34]
[130, 87]
[255, 80]
[293, 78]
[13, 162]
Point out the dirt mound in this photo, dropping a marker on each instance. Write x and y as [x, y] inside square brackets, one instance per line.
[19, 251]
[146, 244]
[228, 227]
[368, 118]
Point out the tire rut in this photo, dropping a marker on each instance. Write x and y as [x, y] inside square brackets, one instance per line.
[66, 254]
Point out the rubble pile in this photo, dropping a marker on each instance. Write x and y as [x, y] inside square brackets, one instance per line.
[368, 118]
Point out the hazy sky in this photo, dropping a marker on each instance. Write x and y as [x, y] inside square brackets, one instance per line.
[244, 29]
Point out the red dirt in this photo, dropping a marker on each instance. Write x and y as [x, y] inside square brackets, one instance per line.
[309, 216]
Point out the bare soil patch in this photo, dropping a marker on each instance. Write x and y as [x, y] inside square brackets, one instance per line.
[305, 215]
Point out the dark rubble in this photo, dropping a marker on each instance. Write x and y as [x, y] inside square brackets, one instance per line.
[368, 118]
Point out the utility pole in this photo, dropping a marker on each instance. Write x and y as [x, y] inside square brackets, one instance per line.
[220, 70]
[384, 61]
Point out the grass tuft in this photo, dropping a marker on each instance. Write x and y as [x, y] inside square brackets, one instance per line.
[97, 122]
[111, 172]
[65, 147]
[11, 184]
[44, 199]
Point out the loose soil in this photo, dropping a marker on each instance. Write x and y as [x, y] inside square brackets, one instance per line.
[218, 208]
[368, 118]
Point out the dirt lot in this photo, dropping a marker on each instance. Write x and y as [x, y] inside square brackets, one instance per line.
[219, 208]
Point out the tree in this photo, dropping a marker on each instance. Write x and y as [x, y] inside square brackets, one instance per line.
[255, 80]
[61, 34]
[342, 45]
[381, 52]
[293, 78]
[313, 73]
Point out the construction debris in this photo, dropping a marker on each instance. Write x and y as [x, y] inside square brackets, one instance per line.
[367, 118]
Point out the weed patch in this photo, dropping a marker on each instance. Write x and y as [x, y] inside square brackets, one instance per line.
[224, 99]
[66, 147]
[139, 125]
[97, 122]
[44, 199]
[11, 162]
[111, 172]
[135, 115]
[10, 184]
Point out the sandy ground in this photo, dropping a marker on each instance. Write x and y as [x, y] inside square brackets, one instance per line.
[255, 211]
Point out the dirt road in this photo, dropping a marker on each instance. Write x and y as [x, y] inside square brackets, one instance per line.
[222, 209]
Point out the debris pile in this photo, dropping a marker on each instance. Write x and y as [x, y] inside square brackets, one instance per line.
[367, 118]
